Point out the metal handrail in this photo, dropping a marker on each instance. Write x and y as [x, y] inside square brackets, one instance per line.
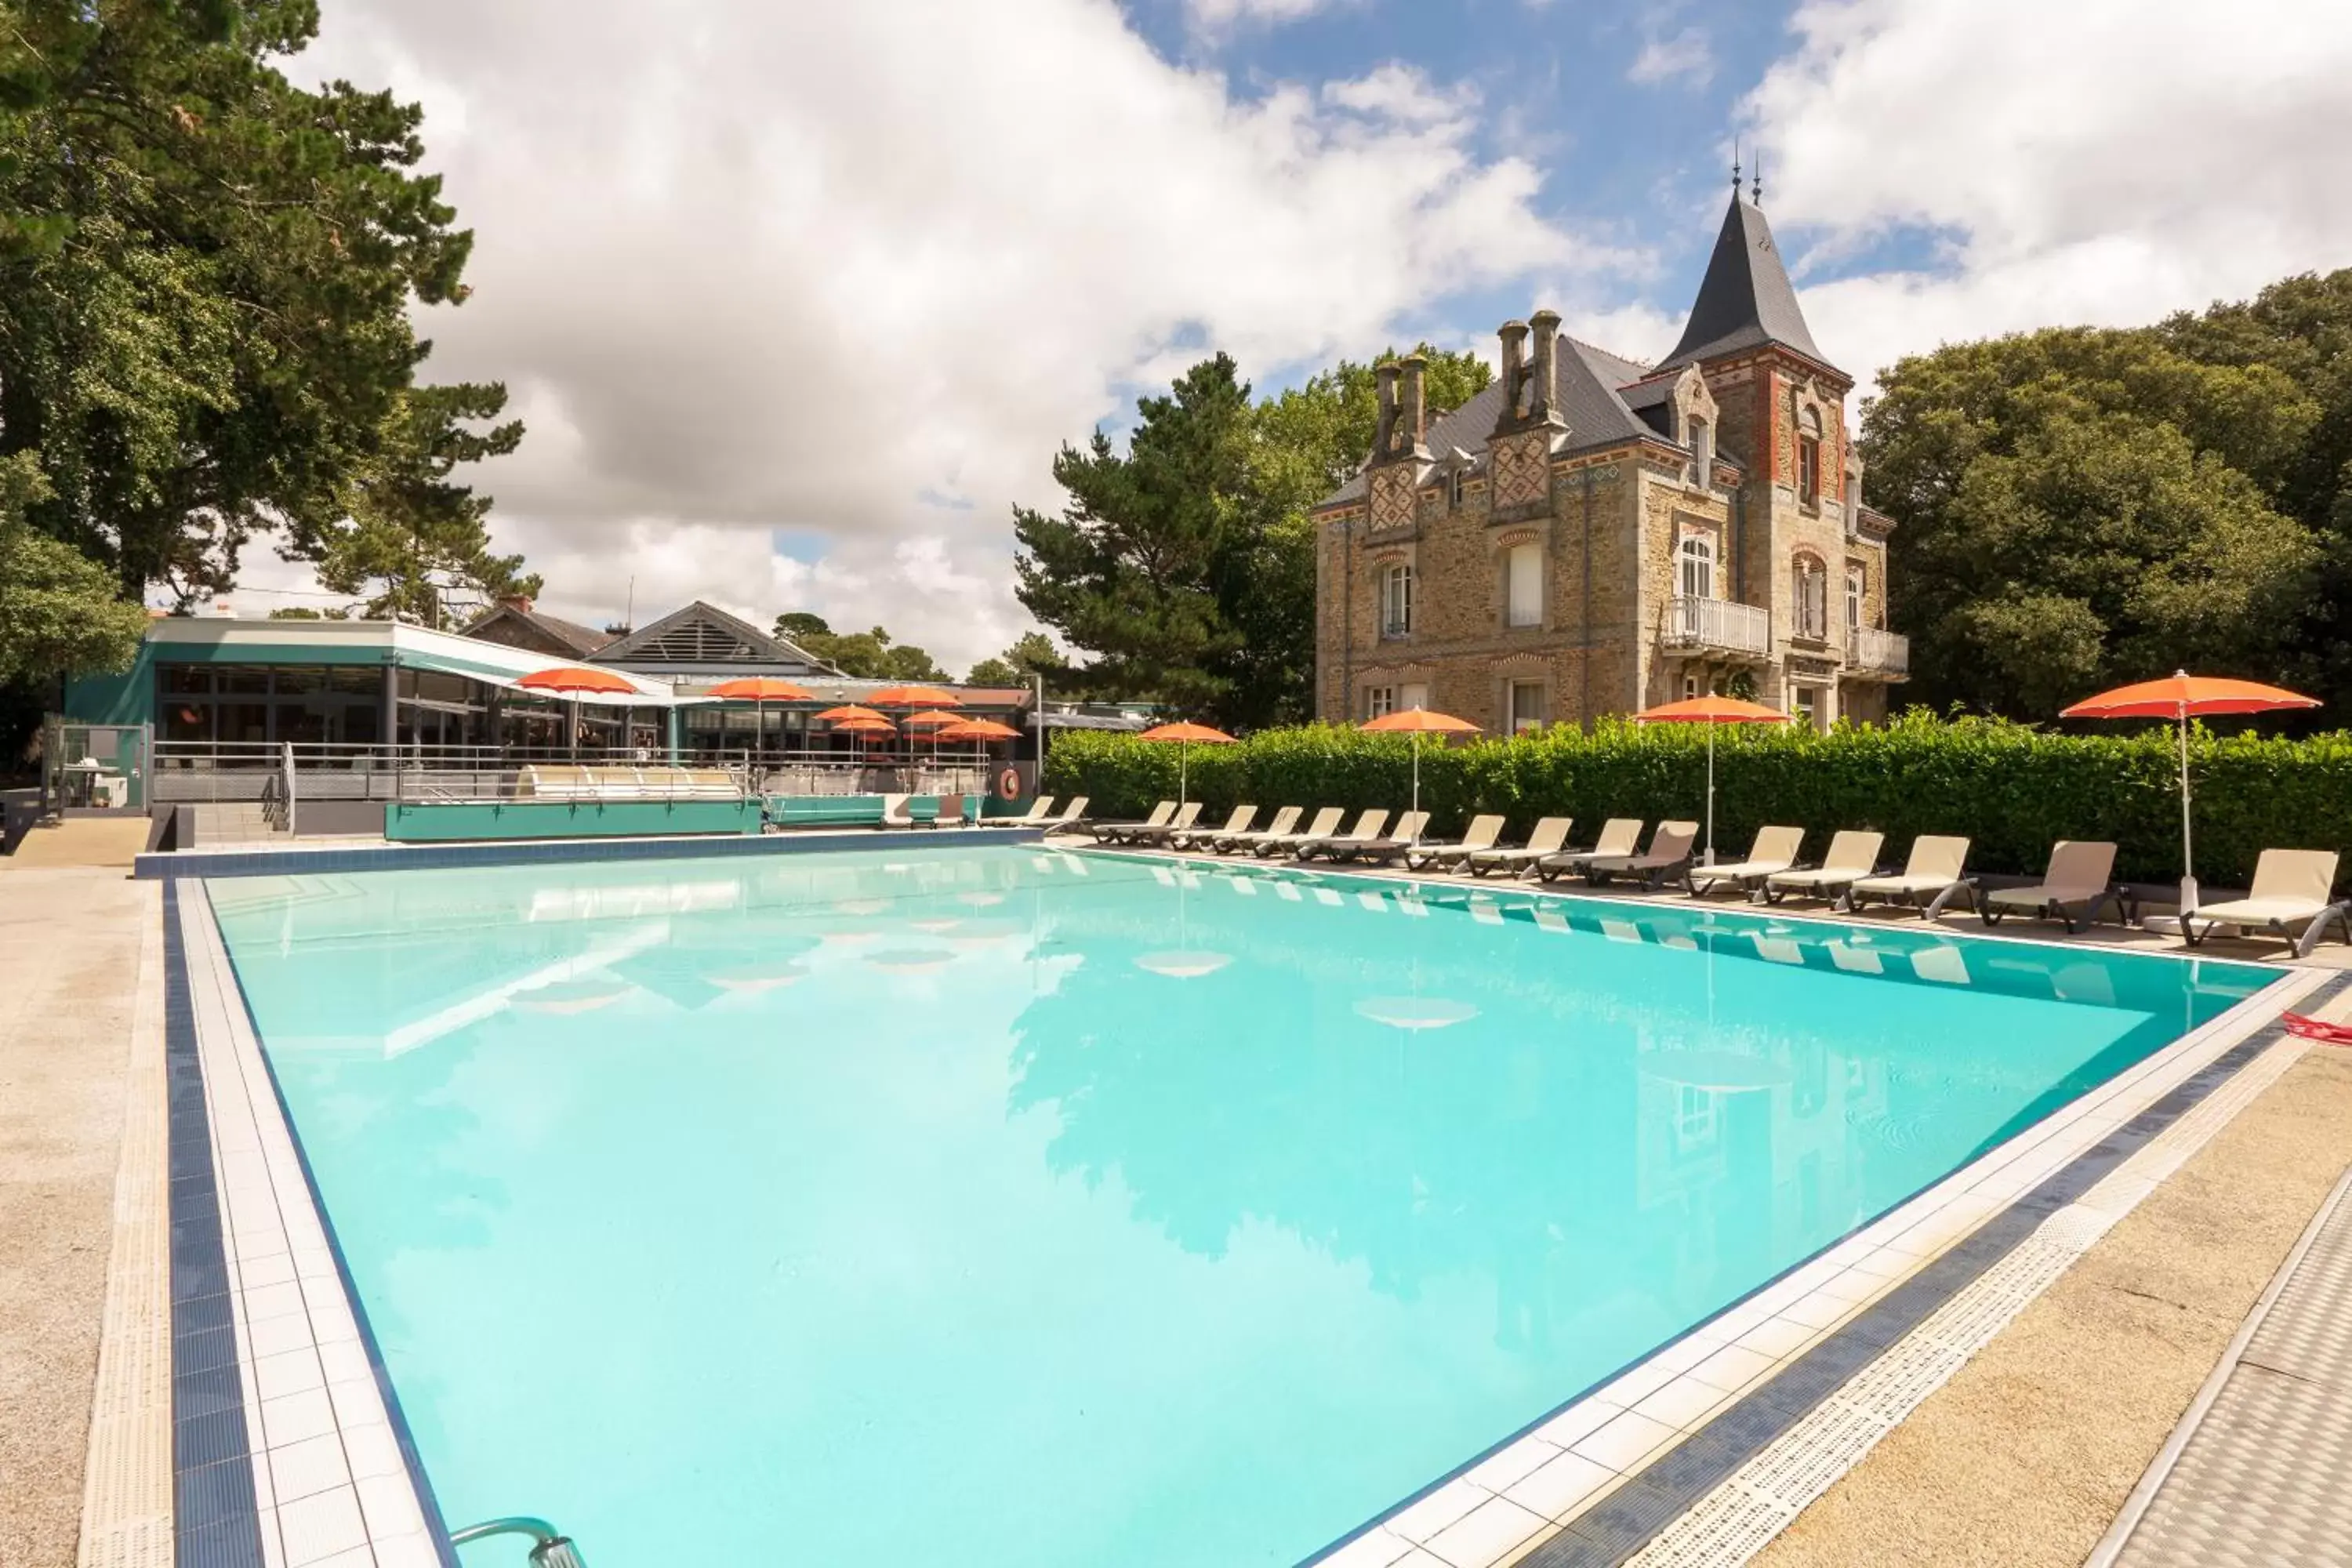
[549, 1549]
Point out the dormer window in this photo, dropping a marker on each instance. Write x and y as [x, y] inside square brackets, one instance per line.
[1702, 446]
[1809, 457]
[1453, 489]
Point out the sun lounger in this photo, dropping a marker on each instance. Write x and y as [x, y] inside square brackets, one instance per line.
[1283, 822]
[1774, 851]
[949, 811]
[1932, 878]
[1385, 850]
[1113, 832]
[1040, 811]
[1854, 854]
[2291, 888]
[1481, 834]
[895, 812]
[1672, 843]
[1550, 834]
[1619, 835]
[2079, 880]
[1327, 822]
[1237, 820]
[1072, 815]
[1369, 822]
[1161, 832]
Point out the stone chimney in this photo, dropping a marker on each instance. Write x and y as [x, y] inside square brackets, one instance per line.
[1414, 409]
[1546, 327]
[519, 603]
[1515, 367]
[1384, 379]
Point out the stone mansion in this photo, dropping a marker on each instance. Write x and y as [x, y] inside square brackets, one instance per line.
[1589, 535]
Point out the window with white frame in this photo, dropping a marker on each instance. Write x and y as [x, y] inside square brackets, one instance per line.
[1525, 705]
[1690, 686]
[1694, 566]
[1453, 489]
[1413, 694]
[1805, 706]
[1523, 585]
[1809, 592]
[1857, 579]
[1380, 701]
[1396, 600]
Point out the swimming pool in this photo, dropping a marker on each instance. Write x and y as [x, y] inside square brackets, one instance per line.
[1057, 1209]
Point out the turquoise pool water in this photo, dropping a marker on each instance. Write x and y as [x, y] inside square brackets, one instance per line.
[1051, 1210]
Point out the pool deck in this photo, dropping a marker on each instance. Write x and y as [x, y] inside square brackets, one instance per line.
[80, 1142]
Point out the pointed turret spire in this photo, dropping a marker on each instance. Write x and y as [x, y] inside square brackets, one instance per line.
[1746, 299]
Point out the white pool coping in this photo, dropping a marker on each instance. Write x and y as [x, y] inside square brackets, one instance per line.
[333, 1487]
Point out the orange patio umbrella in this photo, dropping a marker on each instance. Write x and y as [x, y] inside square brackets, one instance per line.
[2181, 696]
[1711, 711]
[576, 680]
[1417, 722]
[851, 714]
[759, 690]
[1186, 736]
[914, 697]
[978, 730]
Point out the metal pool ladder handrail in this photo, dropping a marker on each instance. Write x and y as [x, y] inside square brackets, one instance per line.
[549, 1550]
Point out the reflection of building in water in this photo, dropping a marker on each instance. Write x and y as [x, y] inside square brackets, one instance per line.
[1758, 1138]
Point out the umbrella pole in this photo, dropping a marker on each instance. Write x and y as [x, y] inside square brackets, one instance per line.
[1183, 785]
[1710, 793]
[2187, 863]
[1416, 783]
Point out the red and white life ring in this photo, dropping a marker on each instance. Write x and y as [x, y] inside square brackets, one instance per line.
[1008, 785]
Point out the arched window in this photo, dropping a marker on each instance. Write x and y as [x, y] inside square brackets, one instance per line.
[1810, 597]
[1809, 455]
[1695, 567]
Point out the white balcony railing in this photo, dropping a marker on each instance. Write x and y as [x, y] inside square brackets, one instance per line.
[1719, 625]
[1888, 653]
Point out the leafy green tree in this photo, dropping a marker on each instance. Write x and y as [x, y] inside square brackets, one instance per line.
[868, 655]
[412, 540]
[1185, 566]
[59, 614]
[2080, 507]
[205, 274]
[1031, 654]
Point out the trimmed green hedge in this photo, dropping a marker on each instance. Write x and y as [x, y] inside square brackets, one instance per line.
[2012, 789]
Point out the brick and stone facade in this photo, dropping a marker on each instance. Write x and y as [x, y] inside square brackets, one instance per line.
[1591, 536]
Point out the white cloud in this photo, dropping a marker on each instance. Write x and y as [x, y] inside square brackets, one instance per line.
[1221, 15]
[819, 270]
[2105, 161]
[1688, 56]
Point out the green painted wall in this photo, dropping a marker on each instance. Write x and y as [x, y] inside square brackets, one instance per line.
[130, 697]
[444, 823]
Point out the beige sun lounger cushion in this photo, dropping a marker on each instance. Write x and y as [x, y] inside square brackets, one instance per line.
[1236, 821]
[1370, 824]
[1775, 850]
[1936, 863]
[2290, 885]
[1670, 846]
[1620, 837]
[1550, 833]
[2080, 870]
[1481, 834]
[1076, 809]
[1039, 810]
[1284, 821]
[1327, 822]
[895, 812]
[1853, 853]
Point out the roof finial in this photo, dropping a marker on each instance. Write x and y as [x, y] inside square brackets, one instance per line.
[1735, 168]
[1757, 190]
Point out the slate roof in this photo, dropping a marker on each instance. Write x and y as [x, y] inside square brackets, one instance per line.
[1584, 390]
[581, 640]
[703, 635]
[1746, 299]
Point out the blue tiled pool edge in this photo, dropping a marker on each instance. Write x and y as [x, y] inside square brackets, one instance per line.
[290, 862]
[215, 1513]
